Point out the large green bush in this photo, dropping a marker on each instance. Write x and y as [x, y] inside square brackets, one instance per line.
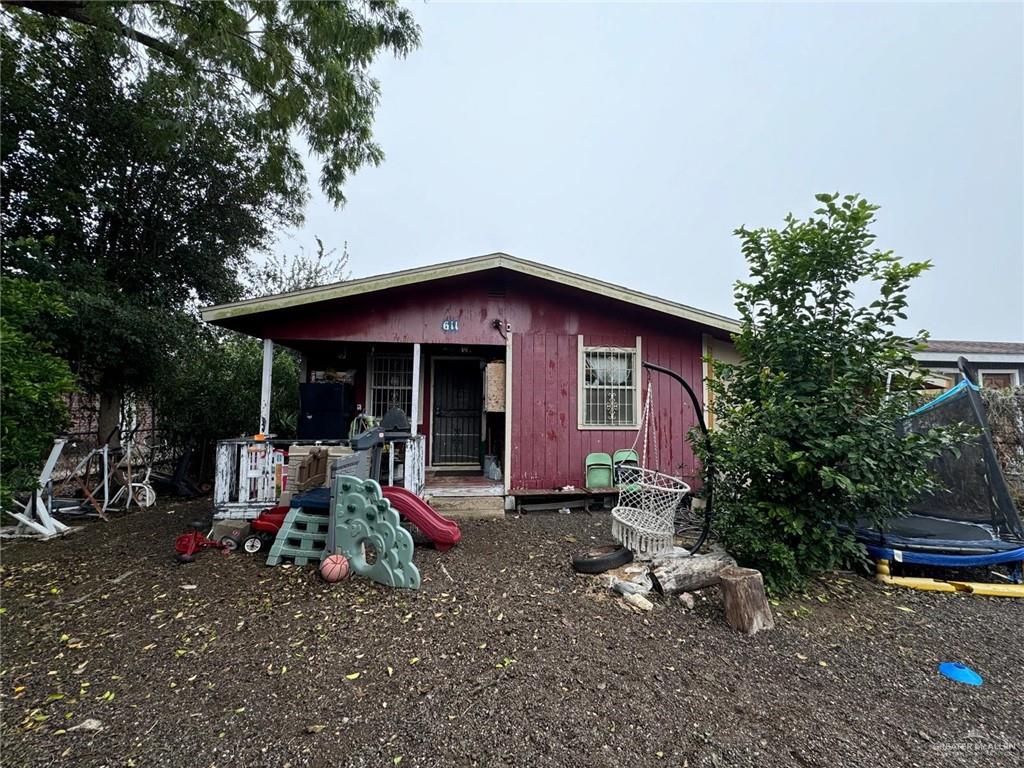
[211, 389]
[33, 383]
[806, 427]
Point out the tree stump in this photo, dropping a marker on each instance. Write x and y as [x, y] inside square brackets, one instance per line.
[673, 575]
[746, 605]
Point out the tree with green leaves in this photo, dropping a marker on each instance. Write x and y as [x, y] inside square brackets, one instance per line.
[806, 424]
[147, 152]
[133, 198]
[302, 67]
[212, 390]
[33, 384]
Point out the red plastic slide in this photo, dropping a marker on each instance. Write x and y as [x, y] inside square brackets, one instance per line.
[443, 532]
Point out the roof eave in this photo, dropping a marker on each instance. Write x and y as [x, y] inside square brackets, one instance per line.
[221, 312]
[972, 357]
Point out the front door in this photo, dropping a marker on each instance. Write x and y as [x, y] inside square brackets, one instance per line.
[458, 409]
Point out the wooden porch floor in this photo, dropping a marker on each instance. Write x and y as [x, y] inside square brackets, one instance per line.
[454, 484]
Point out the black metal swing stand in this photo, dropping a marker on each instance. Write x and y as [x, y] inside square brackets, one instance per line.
[694, 529]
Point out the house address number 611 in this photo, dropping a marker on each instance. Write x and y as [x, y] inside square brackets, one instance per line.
[450, 325]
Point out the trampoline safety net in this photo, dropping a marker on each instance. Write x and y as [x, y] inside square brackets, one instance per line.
[972, 486]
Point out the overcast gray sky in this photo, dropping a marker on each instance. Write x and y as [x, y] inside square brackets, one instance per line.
[628, 141]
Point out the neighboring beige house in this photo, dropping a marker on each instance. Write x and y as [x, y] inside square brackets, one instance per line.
[717, 350]
[994, 364]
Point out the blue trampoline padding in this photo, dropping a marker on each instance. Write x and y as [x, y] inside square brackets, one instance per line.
[949, 394]
[904, 544]
[313, 500]
[945, 561]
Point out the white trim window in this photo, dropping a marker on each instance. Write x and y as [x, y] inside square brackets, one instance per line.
[609, 391]
[998, 378]
[390, 380]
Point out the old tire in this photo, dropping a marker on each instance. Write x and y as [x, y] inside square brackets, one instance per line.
[253, 543]
[601, 559]
[231, 542]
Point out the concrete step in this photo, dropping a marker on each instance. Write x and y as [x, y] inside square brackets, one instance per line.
[469, 507]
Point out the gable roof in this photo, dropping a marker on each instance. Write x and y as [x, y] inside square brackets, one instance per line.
[221, 312]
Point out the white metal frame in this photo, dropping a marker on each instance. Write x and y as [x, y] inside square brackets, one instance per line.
[35, 516]
[433, 393]
[581, 351]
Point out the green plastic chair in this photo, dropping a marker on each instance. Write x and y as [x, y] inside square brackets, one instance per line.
[624, 457]
[599, 472]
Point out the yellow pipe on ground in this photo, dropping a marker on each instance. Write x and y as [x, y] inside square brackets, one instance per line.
[883, 576]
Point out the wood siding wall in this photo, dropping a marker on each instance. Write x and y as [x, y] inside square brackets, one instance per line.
[545, 319]
[548, 450]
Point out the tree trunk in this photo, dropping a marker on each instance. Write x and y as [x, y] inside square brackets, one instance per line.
[109, 417]
[673, 575]
[746, 605]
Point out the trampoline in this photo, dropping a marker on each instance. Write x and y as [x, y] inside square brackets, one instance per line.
[970, 521]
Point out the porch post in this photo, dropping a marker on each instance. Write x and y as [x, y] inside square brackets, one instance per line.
[507, 458]
[268, 367]
[415, 388]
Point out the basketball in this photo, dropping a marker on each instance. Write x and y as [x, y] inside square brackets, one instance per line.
[334, 568]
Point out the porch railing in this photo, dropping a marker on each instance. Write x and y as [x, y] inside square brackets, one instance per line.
[250, 475]
[415, 470]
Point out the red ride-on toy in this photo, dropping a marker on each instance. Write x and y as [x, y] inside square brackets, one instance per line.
[263, 530]
[188, 544]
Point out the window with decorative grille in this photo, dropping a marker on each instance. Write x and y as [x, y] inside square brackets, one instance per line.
[609, 392]
[390, 384]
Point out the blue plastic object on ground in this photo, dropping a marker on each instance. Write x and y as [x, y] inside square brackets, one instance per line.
[954, 670]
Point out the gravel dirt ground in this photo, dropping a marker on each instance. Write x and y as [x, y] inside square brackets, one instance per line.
[505, 657]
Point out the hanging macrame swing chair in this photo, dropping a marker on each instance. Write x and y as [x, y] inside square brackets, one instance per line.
[653, 506]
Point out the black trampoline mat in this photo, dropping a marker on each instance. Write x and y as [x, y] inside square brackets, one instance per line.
[921, 527]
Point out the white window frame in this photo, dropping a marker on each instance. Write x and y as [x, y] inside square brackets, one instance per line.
[372, 361]
[581, 373]
[1014, 376]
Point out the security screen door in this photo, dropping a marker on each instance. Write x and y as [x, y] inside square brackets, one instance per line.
[457, 409]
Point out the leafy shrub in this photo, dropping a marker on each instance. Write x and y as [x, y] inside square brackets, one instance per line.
[211, 391]
[33, 382]
[806, 431]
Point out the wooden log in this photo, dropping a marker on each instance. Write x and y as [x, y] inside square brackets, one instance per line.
[673, 575]
[746, 605]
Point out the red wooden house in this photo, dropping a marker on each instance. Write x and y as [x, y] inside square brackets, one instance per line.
[499, 357]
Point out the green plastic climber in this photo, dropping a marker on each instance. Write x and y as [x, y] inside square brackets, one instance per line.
[365, 529]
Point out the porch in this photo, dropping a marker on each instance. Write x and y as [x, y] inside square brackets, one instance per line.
[455, 397]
